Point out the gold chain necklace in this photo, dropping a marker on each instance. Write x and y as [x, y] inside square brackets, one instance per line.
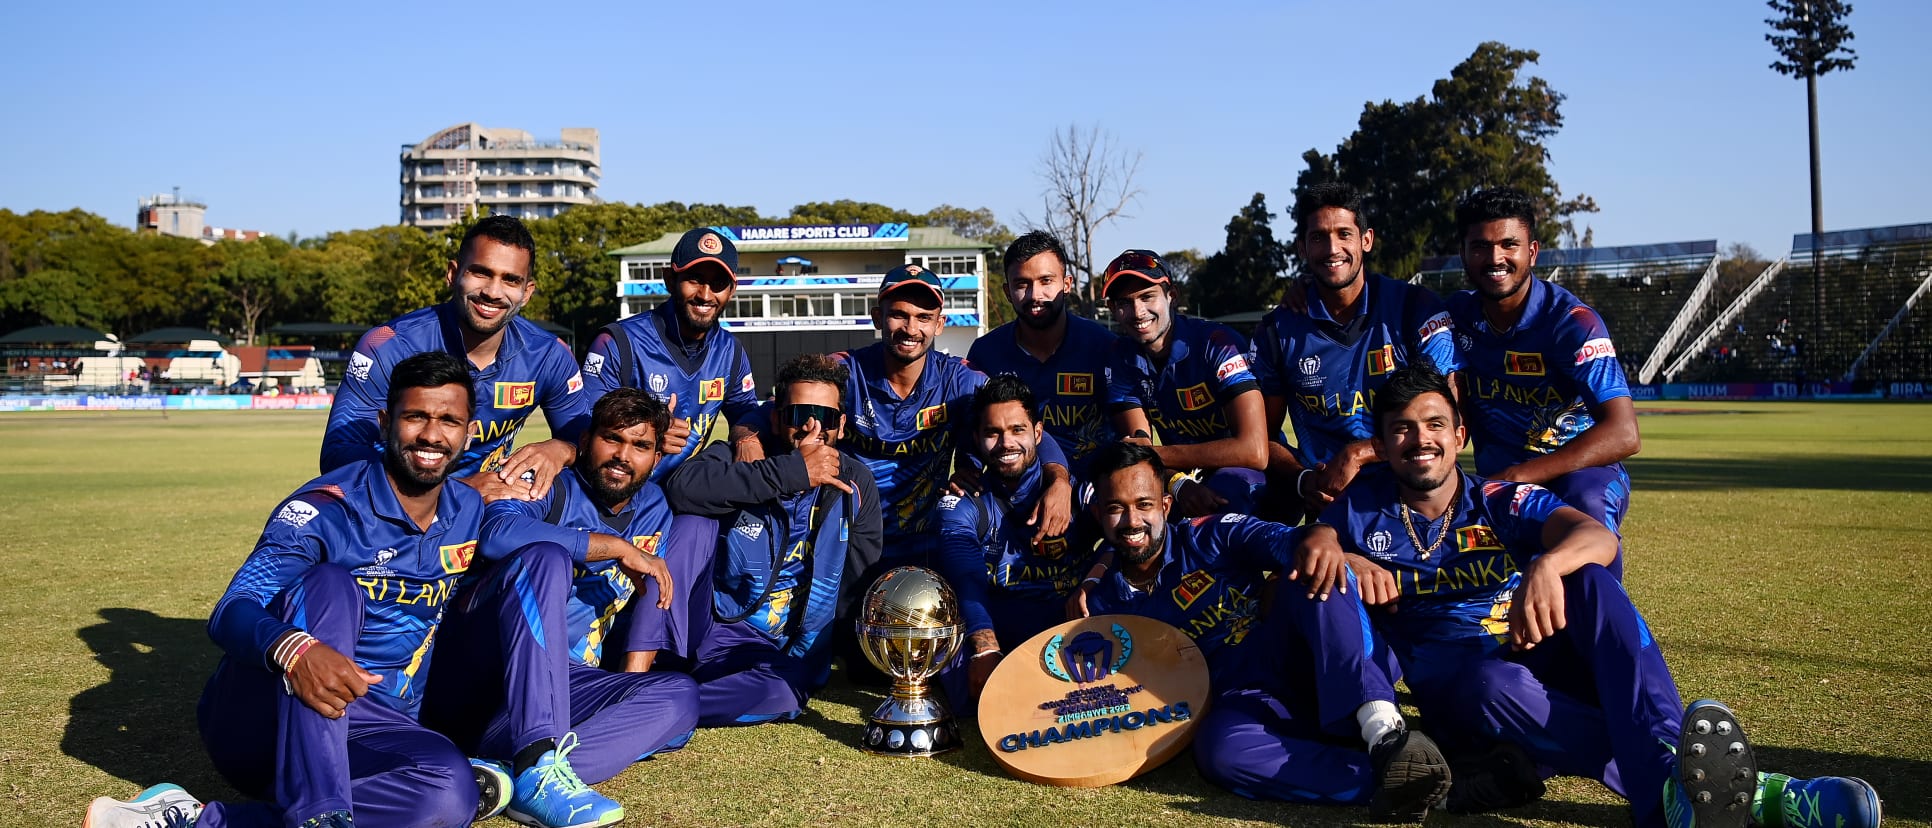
[1448, 517]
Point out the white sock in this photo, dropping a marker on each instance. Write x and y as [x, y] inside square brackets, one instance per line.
[1378, 718]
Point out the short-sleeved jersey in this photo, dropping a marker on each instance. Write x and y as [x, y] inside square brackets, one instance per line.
[712, 378]
[908, 442]
[1070, 385]
[1210, 587]
[1329, 373]
[532, 369]
[567, 517]
[350, 517]
[1532, 387]
[987, 551]
[1186, 399]
[1462, 591]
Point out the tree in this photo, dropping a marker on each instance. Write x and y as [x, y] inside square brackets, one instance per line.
[1089, 184]
[1483, 126]
[1812, 44]
[1184, 264]
[1247, 273]
[252, 281]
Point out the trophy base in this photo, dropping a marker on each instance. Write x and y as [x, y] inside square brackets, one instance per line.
[910, 727]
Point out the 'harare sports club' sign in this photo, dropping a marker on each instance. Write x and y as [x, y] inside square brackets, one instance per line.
[1095, 701]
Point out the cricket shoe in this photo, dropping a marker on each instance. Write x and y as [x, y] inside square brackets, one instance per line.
[493, 787]
[1410, 776]
[1823, 802]
[161, 806]
[548, 794]
[1503, 776]
[1717, 773]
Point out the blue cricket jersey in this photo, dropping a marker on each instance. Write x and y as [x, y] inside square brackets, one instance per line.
[988, 555]
[532, 369]
[908, 442]
[1186, 399]
[1070, 385]
[1329, 373]
[1531, 387]
[1209, 586]
[567, 517]
[640, 352]
[1461, 593]
[351, 517]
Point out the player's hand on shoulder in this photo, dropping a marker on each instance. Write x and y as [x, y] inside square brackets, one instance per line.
[965, 480]
[534, 467]
[328, 681]
[1195, 499]
[1377, 585]
[1054, 513]
[494, 488]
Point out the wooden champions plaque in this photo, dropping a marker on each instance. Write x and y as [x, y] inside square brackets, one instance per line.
[1094, 702]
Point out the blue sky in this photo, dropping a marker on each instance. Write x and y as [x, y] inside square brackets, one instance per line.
[290, 116]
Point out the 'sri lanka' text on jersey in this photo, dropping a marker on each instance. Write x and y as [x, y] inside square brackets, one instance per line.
[532, 369]
[987, 551]
[1209, 586]
[598, 589]
[1070, 385]
[1329, 373]
[712, 378]
[1187, 398]
[1462, 590]
[1532, 386]
[350, 517]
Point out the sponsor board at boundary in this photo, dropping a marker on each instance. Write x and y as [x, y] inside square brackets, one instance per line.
[158, 402]
[1760, 391]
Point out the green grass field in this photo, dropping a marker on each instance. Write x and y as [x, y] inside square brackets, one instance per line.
[1780, 552]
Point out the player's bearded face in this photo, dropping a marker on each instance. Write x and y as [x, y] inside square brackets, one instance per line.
[490, 281]
[1421, 442]
[424, 434]
[1007, 439]
[616, 462]
[1038, 291]
[1131, 508]
[1332, 248]
[1497, 256]
[701, 294]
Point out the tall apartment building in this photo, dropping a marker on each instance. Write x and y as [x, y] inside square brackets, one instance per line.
[468, 165]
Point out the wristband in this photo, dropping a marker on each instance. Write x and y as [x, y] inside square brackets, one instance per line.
[1298, 479]
[1092, 580]
[294, 658]
[1174, 483]
[983, 653]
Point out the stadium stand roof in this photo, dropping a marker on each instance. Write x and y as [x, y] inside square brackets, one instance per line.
[53, 334]
[317, 329]
[175, 336]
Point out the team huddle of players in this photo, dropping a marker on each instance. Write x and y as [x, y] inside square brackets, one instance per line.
[593, 598]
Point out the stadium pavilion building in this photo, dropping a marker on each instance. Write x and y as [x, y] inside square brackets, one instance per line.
[810, 288]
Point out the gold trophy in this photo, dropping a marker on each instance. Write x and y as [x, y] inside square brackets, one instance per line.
[909, 628]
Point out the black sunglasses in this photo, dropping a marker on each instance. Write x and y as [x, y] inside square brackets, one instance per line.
[798, 414]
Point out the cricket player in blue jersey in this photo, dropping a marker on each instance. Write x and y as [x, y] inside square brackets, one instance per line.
[327, 631]
[1062, 356]
[680, 353]
[559, 568]
[1187, 380]
[1011, 586]
[1522, 650]
[515, 365]
[778, 534]
[1292, 691]
[1547, 399]
[1320, 359]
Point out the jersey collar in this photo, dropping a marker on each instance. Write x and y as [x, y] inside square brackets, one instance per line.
[383, 502]
[1319, 311]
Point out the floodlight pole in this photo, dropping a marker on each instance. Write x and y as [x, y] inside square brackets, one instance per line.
[1817, 227]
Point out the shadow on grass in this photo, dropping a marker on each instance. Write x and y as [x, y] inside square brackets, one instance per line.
[1862, 472]
[140, 725]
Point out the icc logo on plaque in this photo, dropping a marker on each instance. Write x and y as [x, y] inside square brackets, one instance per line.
[1095, 701]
